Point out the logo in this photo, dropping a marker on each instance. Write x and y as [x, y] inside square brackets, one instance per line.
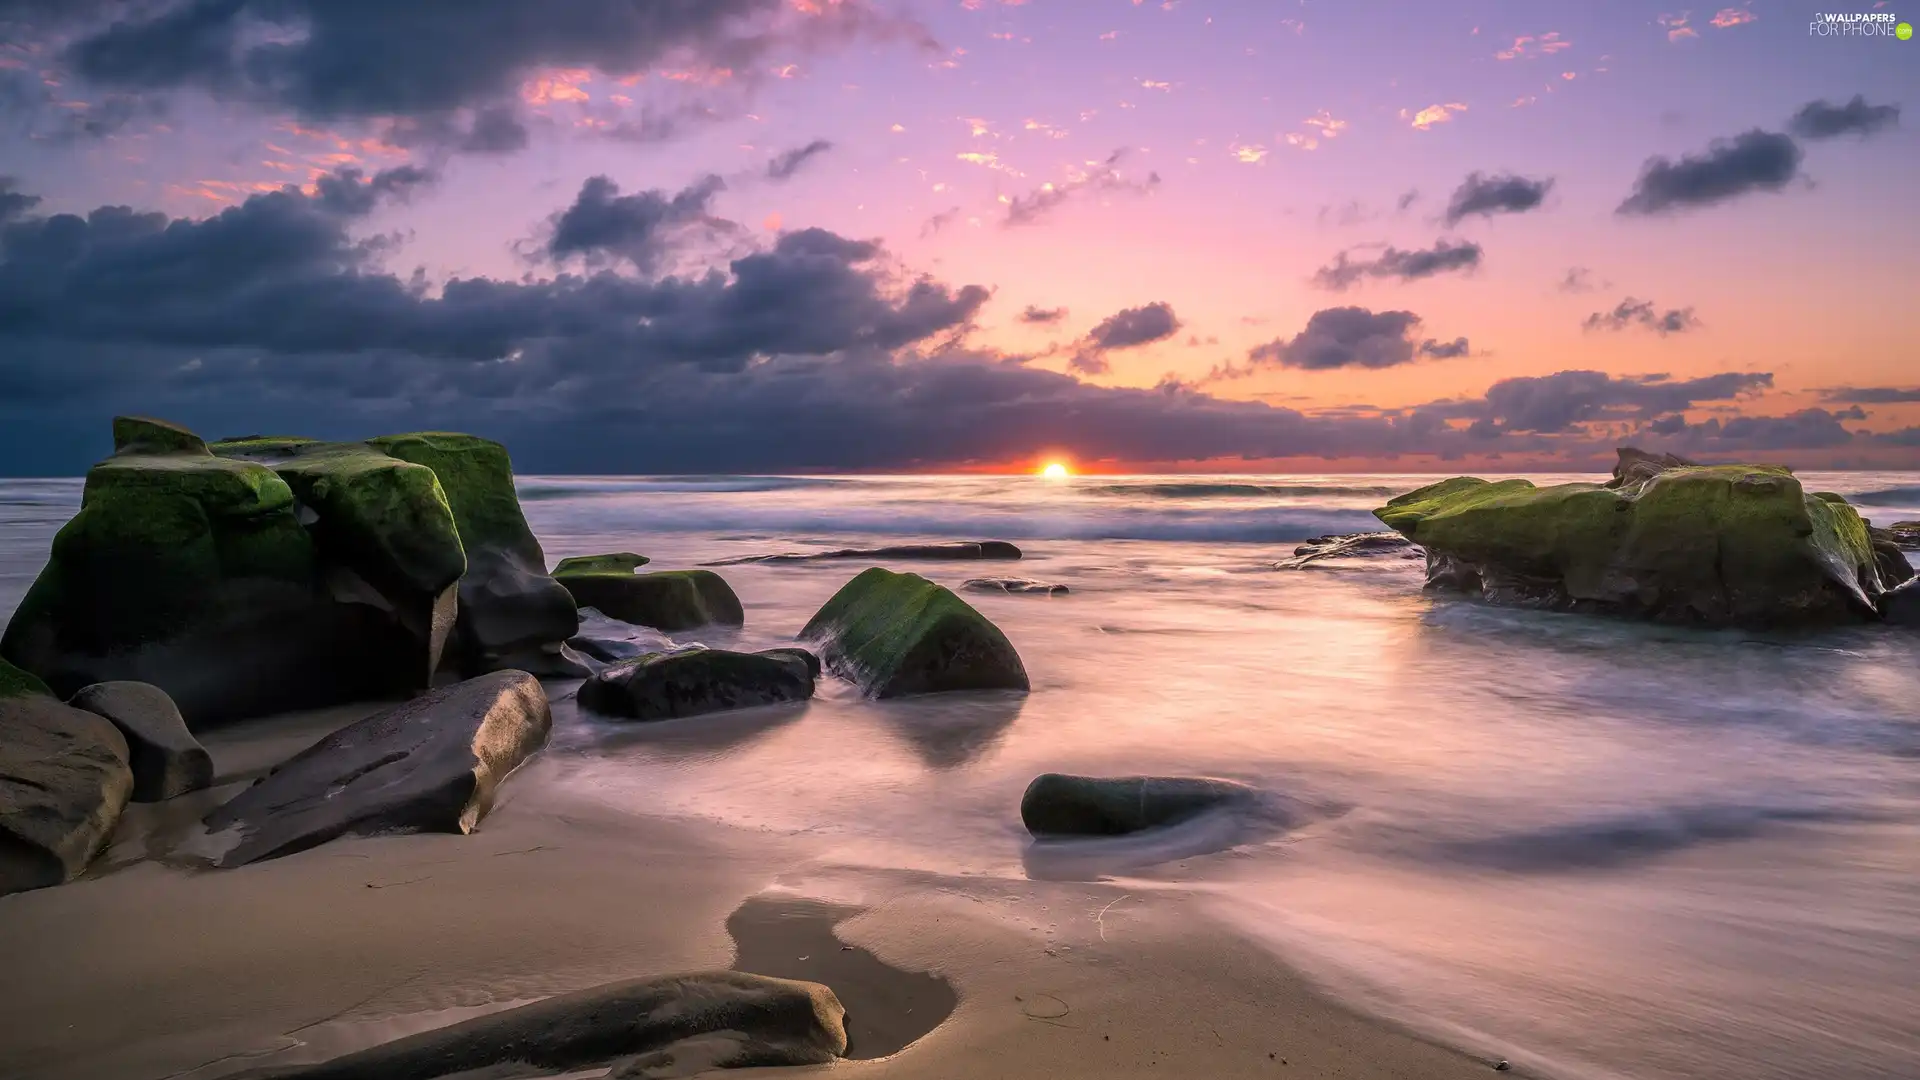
[1859, 24]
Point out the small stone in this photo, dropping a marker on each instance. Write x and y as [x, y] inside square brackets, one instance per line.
[1502, 1066]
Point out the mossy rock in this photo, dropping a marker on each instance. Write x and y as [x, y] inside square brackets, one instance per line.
[509, 605]
[670, 686]
[895, 634]
[17, 683]
[1713, 545]
[145, 435]
[669, 600]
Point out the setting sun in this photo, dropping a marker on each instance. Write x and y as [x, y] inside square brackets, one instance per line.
[1054, 470]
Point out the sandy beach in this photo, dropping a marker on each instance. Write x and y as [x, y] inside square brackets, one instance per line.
[159, 967]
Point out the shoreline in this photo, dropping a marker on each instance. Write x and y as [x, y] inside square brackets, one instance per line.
[157, 968]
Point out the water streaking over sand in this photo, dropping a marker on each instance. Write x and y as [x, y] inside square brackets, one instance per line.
[1602, 850]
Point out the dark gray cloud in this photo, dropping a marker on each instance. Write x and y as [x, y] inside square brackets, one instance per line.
[1823, 120]
[1551, 404]
[1871, 395]
[1444, 256]
[1126, 329]
[1642, 313]
[13, 202]
[438, 67]
[1037, 204]
[1577, 279]
[1042, 316]
[1753, 161]
[784, 165]
[1486, 196]
[1352, 337]
[642, 228]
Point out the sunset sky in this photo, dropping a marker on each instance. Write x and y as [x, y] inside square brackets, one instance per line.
[640, 236]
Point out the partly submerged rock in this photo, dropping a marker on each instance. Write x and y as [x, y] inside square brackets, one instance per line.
[194, 572]
[673, 1026]
[64, 780]
[1901, 607]
[669, 600]
[166, 759]
[894, 634]
[1711, 545]
[508, 603]
[1057, 804]
[1906, 534]
[430, 765]
[1889, 557]
[1349, 545]
[667, 686]
[1013, 585]
[978, 549]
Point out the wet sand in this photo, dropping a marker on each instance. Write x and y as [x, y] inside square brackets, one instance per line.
[158, 967]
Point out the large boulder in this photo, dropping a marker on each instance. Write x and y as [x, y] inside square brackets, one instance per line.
[1890, 557]
[993, 550]
[64, 779]
[167, 760]
[512, 613]
[195, 573]
[667, 686]
[673, 1026]
[430, 765]
[894, 634]
[1901, 607]
[1725, 545]
[669, 600]
[1057, 804]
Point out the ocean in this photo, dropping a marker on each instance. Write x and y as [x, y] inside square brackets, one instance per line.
[1600, 849]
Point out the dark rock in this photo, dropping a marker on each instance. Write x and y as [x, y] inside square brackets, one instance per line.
[430, 765]
[669, 600]
[982, 549]
[805, 659]
[1723, 545]
[672, 1026]
[667, 686]
[1013, 585]
[167, 760]
[1636, 466]
[895, 634]
[1889, 557]
[64, 780]
[1901, 607]
[1349, 545]
[1906, 534]
[1056, 804]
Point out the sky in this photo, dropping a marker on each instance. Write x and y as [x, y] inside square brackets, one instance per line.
[643, 236]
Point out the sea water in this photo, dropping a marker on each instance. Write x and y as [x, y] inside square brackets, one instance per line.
[1601, 849]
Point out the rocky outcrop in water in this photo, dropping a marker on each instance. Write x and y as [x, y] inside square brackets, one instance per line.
[264, 574]
[1348, 546]
[1906, 534]
[166, 759]
[669, 686]
[1057, 804]
[970, 550]
[674, 1026]
[1889, 557]
[64, 779]
[433, 764]
[895, 634]
[1017, 586]
[669, 600]
[1722, 545]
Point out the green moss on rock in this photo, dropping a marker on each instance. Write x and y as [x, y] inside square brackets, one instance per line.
[477, 476]
[1726, 544]
[17, 683]
[894, 634]
[145, 435]
[669, 600]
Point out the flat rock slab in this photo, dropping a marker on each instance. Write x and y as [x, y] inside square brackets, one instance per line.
[673, 1026]
[430, 765]
[167, 760]
[64, 779]
[897, 634]
[1350, 545]
[1013, 585]
[974, 549]
[1057, 804]
[1906, 534]
[669, 686]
